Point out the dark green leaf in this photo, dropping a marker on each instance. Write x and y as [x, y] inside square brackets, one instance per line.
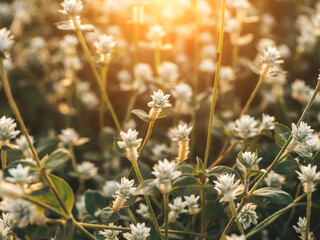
[216, 171]
[55, 159]
[94, 202]
[274, 195]
[147, 187]
[186, 169]
[47, 146]
[65, 231]
[107, 215]
[281, 134]
[186, 186]
[36, 232]
[199, 164]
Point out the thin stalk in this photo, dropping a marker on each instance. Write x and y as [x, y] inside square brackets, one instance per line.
[131, 103]
[104, 76]
[309, 202]
[220, 158]
[132, 217]
[3, 159]
[215, 87]
[83, 230]
[264, 71]
[235, 215]
[166, 215]
[16, 112]
[75, 168]
[154, 219]
[203, 209]
[151, 124]
[103, 92]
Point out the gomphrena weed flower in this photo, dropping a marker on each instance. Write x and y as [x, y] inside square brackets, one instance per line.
[158, 103]
[301, 133]
[87, 170]
[130, 142]
[6, 42]
[71, 7]
[178, 206]
[226, 186]
[248, 215]
[70, 137]
[144, 211]
[192, 203]
[267, 122]
[181, 135]
[20, 175]
[105, 47]
[246, 127]
[7, 130]
[274, 179]
[302, 228]
[235, 237]
[138, 232]
[110, 234]
[271, 57]
[165, 173]
[23, 145]
[125, 190]
[247, 160]
[308, 176]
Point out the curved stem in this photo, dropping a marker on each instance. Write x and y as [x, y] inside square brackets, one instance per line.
[235, 215]
[166, 216]
[309, 202]
[103, 92]
[147, 136]
[75, 168]
[3, 159]
[215, 87]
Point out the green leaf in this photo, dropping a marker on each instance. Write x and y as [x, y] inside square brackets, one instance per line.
[107, 215]
[287, 167]
[216, 171]
[47, 146]
[65, 231]
[186, 169]
[164, 112]
[274, 195]
[130, 201]
[199, 164]
[142, 115]
[147, 187]
[36, 232]
[55, 159]
[281, 134]
[186, 186]
[64, 191]
[94, 202]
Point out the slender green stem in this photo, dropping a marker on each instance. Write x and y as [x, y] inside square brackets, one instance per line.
[3, 159]
[166, 215]
[154, 219]
[309, 202]
[83, 230]
[264, 71]
[103, 92]
[151, 124]
[203, 208]
[215, 87]
[104, 76]
[235, 215]
[75, 168]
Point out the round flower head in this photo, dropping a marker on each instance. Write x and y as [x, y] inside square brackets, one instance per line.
[245, 127]
[159, 100]
[19, 175]
[69, 136]
[144, 211]
[110, 234]
[125, 188]
[267, 122]
[247, 215]
[138, 232]
[87, 170]
[271, 56]
[143, 71]
[105, 44]
[183, 92]
[110, 188]
[308, 176]
[274, 179]
[6, 41]
[155, 33]
[176, 208]
[235, 237]
[302, 133]
[250, 159]
[226, 186]
[168, 71]
[192, 203]
[7, 129]
[23, 144]
[129, 139]
[71, 7]
[181, 133]
[302, 225]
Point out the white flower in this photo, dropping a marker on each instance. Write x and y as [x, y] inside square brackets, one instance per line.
[250, 159]
[267, 122]
[5, 229]
[21, 212]
[307, 177]
[6, 41]
[143, 71]
[302, 229]
[168, 71]
[227, 73]
[271, 56]
[302, 133]
[143, 211]
[182, 91]
[7, 129]
[159, 100]
[274, 179]
[207, 66]
[9, 190]
[125, 188]
[165, 172]
[155, 33]
[105, 44]
[71, 7]
[110, 188]
[110, 234]
[248, 215]
[68, 136]
[138, 232]
[226, 186]
[176, 208]
[245, 127]
[129, 139]
[181, 133]
[81, 206]
[23, 144]
[19, 175]
[235, 237]
[87, 170]
[192, 202]
[90, 100]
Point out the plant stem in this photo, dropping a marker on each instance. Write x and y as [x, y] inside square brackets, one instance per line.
[151, 124]
[3, 159]
[166, 215]
[235, 215]
[154, 219]
[104, 76]
[132, 217]
[309, 202]
[95, 73]
[75, 168]
[215, 87]
[131, 103]
[264, 71]
[24, 130]
[203, 208]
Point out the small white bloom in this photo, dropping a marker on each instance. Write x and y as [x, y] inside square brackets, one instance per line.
[110, 234]
[168, 71]
[143, 71]
[19, 175]
[271, 56]
[23, 144]
[87, 170]
[6, 41]
[248, 215]
[250, 159]
[227, 73]
[207, 66]
[302, 133]
[274, 179]
[192, 202]
[90, 100]
[226, 186]
[308, 176]
[9, 190]
[246, 127]
[129, 139]
[7, 129]
[302, 229]
[71, 7]
[138, 232]
[235, 237]
[69, 136]
[176, 208]
[143, 211]
[125, 188]
[182, 91]
[105, 44]
[81, 206]
[110, 188]
[155, 33]
[181, 133]
[267, 122]
[159, 100]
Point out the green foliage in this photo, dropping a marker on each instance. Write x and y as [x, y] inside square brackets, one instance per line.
[274, 195]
